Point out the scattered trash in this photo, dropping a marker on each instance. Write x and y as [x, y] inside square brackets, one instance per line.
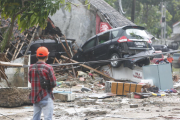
[85, 89]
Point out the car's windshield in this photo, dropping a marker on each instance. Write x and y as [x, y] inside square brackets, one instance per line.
[136, 34]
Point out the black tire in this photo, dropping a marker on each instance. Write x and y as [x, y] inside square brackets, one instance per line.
[115, 64]
[147, 62]
[143, 63]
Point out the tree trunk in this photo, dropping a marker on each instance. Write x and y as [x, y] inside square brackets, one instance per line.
[8, 35]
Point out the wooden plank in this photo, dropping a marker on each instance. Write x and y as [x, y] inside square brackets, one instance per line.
[70, 56]
[69, 49]
[10, 64]
[5, 77]
[63, 46]
[26, 70]
[19, 50]
[7, 51]
[20, 47]
[15, 50]
[54, 61]
[31, 39]
[90, 68]
[57, 60]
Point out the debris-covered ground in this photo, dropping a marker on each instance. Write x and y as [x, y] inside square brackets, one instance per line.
[90, 102]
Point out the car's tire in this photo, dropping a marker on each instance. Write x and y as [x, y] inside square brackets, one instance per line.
[115, 64]
[147, 62]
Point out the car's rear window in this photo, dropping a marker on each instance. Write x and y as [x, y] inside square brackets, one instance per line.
[136, 34]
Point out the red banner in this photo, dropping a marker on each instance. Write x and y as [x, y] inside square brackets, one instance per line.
[98, 21]
[104, 27]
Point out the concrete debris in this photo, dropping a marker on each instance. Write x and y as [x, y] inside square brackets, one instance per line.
[96, 112]
[133, 106]
[64, 96]
[108, 100]
[84, 102]
[62, 78]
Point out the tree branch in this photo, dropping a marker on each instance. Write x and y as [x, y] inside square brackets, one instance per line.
[20, 12]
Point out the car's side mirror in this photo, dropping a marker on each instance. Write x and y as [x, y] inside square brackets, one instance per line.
[29, 52]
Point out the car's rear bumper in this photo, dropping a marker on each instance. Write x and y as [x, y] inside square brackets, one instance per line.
[140, 57]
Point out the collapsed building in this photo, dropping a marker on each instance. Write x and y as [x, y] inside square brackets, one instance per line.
[100, 17]
[82, 23]
[79, 24]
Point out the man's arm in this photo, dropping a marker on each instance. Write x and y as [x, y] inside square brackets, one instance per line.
[52, 78]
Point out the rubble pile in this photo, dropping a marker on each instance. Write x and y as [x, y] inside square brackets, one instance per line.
[88, 103]
[14, 97]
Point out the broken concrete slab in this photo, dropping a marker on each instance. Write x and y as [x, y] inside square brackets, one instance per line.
[64, 96]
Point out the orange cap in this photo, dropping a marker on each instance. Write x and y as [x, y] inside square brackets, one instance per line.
[42, 52]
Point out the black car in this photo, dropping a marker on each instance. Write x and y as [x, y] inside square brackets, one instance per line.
[116, 43]
[54, 46]
[162, 48]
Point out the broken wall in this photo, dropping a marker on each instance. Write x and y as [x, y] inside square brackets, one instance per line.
[79, 23]
[17, 76]
[123, 73]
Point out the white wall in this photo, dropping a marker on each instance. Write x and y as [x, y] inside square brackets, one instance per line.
[123, 73]
[79, 24]
[176, 29]
[16, 75]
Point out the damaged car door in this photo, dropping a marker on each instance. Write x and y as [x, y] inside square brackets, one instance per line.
[102, 48]
[88, 49]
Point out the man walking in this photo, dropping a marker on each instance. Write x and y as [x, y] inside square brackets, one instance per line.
[42, 99]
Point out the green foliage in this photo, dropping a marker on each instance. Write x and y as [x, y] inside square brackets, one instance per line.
[113, 3]
[148, 13]
[88, 4]
[173, 7]
[29, 13]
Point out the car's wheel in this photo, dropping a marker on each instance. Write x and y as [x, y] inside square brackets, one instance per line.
[115, 64]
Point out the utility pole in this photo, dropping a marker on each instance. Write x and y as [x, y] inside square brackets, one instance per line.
[163, 20]
[133, 10]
